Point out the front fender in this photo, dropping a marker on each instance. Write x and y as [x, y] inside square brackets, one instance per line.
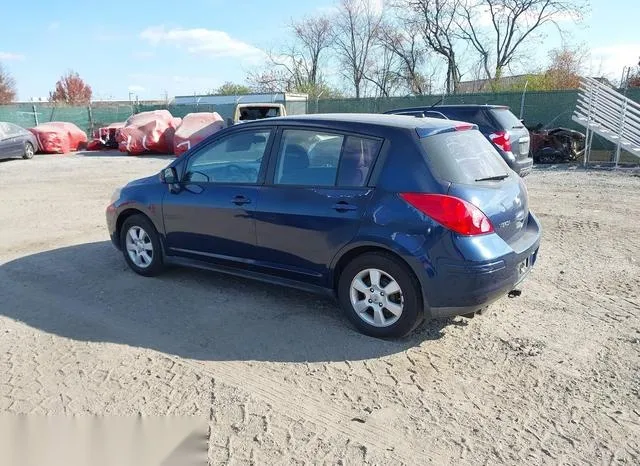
[146, 199]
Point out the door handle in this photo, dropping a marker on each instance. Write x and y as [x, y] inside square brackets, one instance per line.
[343, 206]
[241, 200]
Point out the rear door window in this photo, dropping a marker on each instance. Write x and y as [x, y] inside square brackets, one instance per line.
[463, 157]
[308, 158]
[316, 158]
[357, 159]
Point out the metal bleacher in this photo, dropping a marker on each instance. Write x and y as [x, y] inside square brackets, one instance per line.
[609, 114]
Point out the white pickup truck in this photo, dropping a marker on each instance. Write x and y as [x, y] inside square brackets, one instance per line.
[257, 111]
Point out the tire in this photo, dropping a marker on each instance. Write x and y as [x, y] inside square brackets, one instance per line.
[140, 244]
[29, 151]
[408, 300]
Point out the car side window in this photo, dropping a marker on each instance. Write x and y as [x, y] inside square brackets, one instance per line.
[235, 158]
[308, 158]
[12, 130]
[313, 158]
[358, 155]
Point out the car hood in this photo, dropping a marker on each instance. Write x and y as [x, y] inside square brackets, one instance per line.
[143, 181]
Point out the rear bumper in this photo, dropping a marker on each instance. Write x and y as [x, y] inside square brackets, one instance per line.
[523, 166]
[465, 286]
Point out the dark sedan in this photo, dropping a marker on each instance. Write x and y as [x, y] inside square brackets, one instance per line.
[16, 142]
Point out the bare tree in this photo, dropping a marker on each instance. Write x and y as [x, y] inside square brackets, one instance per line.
[298, 65]
[356, 31]
[313, 37]
[511, 23]
[271, 80]
[7, 87]
[410, 52]
[435, 20]
[384, 72]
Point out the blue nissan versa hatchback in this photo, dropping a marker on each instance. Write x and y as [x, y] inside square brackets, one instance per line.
[401, 218]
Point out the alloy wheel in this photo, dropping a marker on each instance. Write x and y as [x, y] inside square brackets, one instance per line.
[139, 247]
[376, 297]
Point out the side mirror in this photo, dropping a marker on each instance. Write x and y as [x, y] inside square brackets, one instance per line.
[169, 175]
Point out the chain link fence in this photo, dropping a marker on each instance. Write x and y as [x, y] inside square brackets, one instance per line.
[549, 109]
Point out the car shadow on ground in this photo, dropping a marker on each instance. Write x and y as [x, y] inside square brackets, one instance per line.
[86, 292]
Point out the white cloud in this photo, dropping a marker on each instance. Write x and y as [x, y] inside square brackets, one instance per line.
[53, 26]
[135, 88]
[11, 56]
[611, 59]
[201, 41]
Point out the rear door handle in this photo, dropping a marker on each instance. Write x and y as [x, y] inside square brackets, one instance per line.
[343, 206]
[241, 200]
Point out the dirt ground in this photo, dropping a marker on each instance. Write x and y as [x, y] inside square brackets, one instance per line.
[552, 376]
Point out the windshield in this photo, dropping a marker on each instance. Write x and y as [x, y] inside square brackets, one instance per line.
[258, 112]
[463, 157]
[9, 130]
[506, 118]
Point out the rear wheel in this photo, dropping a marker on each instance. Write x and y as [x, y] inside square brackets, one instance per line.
[29, 151]
[140, 245]
[380, 296]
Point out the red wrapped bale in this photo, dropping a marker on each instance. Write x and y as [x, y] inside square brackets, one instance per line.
[147, 132]
[59, 137]
[194, 128]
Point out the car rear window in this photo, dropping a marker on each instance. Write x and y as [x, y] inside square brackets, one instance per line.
[463, 157]
[475, 115]
[505, 118]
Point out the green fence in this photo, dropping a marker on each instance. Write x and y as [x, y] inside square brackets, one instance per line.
[86, 118]
[552, 108]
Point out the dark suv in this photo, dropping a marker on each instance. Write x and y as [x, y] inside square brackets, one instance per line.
[496, 122]
[401, 218]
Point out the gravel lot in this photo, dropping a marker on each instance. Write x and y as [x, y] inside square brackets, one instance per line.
[552, 376]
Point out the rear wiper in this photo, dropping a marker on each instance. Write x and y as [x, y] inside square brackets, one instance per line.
[494, 178]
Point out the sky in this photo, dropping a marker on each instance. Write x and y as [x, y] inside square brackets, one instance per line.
[151, 49]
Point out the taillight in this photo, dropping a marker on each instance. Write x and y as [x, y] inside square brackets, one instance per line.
[452, 212]
[501, 139]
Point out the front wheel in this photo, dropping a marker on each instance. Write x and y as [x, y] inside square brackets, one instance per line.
[140, 245]
[380, 296]
[29, 151]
